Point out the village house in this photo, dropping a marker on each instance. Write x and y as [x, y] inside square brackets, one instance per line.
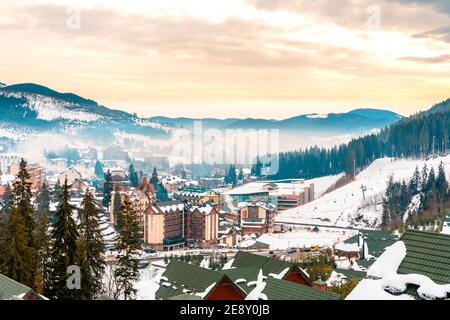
[198, 197]
[13, 290]
[71, 175]
[246, 277]
[257, 217]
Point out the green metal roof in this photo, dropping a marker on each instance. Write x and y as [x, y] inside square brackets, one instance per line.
[10, 289]
[377, 241]
[268, 265]
[247, 273]
[185, 297]
[285, 290]
[428, 254]
[352, 274]
[182, 275]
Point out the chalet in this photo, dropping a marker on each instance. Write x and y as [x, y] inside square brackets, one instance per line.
[366, 246]
[257, 217]
[252, 263]
[13, 290]
[119, 177]
[413, 268]
[183, 278]
[71, 175]
[184, 281]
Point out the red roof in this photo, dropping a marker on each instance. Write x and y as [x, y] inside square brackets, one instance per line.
[146, 186]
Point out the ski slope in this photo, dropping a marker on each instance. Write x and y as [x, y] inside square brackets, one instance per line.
[346, 207]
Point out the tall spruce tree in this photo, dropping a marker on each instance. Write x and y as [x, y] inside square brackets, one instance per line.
[91, 248]
[99, 170]
[43, 239]
[20, 253]
[56, 191]
[117, 204]
[134, 180]
[441, 184]
[107, 189]
[128, 245]
[65, 250]
[154, 179]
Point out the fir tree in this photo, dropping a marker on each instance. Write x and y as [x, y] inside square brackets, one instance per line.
[161, 193]
[241, 175]
[117, 204]
[64, 251]
[56, 191]
[20, 254]
[128, 245]
[441, 184]
[91, 248]
[99, 170]
[18, 261]
[414, 183]
[154, 180]
[134, 180]
[43, 253]
[107, 189]
[43, 200]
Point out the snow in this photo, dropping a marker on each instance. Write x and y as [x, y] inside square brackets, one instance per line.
[205, 293]
[317, 116]
[228, 265]
[369, 289]
[279, 275]
[260, 285]
[304, 238]
[148, 284]
[384, 270]
[48, 108]
[346, 206]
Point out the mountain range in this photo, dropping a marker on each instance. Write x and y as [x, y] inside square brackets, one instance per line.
[355, 121]
[37, 108]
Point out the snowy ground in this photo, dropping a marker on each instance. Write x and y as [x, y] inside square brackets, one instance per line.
[346, 207]
[148, 284]
[327, 237]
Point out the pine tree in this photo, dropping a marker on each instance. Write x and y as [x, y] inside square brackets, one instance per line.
[56, 191]
[241, 175]
[99, 170]
[134, 180]
[65, 249]
[441, 184]
[43, 243]
[161, 193]
[117, 204]
[424, 178]
[43, 200]
[19, 257]
[154, 180]
[107, 189]
[18, 262]
[128, 245]
[91, 248]
[414, 183]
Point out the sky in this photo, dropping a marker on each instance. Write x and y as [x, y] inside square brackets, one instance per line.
[235, 58]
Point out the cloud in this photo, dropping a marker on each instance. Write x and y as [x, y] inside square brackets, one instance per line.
[445, 58]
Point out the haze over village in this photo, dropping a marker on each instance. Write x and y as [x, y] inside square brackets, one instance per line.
[242, 150]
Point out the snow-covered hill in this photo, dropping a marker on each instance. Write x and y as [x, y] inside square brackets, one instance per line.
[346, 206]
[42, 109]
